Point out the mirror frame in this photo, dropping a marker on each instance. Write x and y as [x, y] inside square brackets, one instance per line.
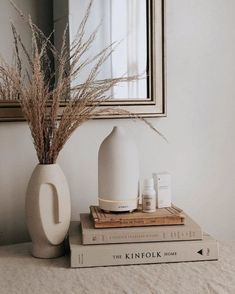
[153, 107]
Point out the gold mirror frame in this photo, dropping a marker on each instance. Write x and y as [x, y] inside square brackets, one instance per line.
[155, 106]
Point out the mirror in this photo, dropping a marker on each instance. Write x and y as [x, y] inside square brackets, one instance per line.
[136, 27]
[122, 23]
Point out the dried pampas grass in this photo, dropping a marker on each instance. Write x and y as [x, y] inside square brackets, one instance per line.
[40, 89]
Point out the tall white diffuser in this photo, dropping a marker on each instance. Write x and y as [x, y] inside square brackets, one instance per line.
[118, 172]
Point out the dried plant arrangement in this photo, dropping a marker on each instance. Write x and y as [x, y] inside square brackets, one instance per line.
[7, 89]
[40, 88]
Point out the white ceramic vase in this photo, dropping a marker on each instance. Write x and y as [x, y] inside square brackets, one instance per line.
[48, 210]
[118, 172]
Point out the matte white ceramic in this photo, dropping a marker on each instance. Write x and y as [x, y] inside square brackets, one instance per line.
[118, 172]
[48, 210]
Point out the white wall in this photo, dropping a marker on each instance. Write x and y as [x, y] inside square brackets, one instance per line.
[200, 127]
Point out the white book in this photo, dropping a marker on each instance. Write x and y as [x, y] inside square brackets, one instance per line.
[138, 253]
[90, 235]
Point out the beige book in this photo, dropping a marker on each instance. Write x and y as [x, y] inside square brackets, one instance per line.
[138, 253]
[90, 235]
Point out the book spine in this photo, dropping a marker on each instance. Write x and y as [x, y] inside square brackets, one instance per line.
[143, 253]
[167, 234]
[139, 222]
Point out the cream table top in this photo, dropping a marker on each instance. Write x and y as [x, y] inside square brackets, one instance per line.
[21, 273]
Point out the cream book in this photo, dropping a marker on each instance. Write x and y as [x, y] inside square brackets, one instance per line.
[138, 253]
[90, 235]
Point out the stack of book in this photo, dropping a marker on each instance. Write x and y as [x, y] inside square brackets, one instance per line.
[167, 235]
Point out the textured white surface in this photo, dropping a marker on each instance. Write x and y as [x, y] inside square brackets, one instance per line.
[21, 273]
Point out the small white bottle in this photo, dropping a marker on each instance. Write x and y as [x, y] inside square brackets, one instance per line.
[149, 196]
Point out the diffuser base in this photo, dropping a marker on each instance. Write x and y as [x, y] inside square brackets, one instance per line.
[118, 205]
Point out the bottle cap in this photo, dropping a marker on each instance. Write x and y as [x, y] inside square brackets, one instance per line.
[148, 182]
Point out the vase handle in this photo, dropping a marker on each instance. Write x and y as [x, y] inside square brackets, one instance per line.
[57, 202]
[58, 215]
